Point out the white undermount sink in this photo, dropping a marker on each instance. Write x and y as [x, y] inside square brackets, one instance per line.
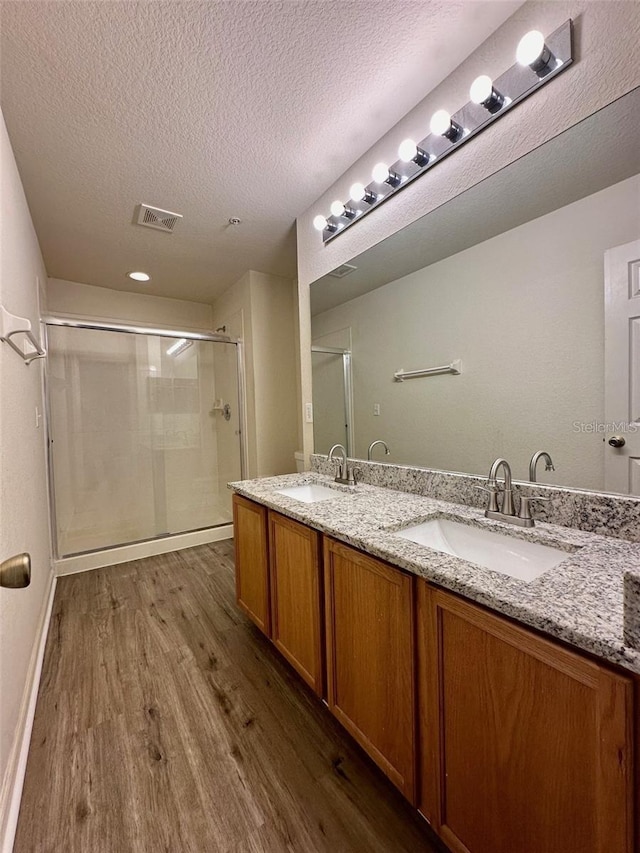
[508, 555]
[310, 493]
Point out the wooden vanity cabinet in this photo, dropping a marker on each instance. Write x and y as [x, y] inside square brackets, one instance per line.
[252, 561]
[525, 745]
[296, 600]
[370, 658]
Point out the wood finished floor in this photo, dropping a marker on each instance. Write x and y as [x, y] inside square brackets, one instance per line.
[167, 722]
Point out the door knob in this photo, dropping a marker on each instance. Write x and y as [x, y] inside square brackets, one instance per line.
[15, 572]
[617, 441]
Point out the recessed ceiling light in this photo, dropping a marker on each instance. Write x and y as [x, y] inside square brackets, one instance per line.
[139, 276]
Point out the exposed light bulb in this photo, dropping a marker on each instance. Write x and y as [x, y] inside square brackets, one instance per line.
[338, 209]
[409, 152]
[440, 122]
[319, 222]
[482, 92]
[139, 276]
[530, 47]
[358, 192]
[380, 173]
[532, 51]
[443, 125]
[481, 89]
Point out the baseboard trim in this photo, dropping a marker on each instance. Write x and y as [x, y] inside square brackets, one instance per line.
[14, 778]
[150, 548]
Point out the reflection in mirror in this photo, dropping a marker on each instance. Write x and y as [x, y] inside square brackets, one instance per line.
[510, 277]
[332, 396]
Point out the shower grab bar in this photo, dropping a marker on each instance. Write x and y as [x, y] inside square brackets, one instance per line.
[11, 325]
[455, 368]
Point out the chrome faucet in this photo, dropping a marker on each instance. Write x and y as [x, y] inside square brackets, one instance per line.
[373, 444]
[344, 474]
[540, 454]
[507, 511]
[507, 498]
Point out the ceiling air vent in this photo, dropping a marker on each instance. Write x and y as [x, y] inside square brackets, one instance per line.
[341, 271]
[155, 217]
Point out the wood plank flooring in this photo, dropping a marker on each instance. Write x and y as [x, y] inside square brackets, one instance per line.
[167, 722]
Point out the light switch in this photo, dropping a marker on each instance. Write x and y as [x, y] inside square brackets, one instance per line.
[308, 413]
[376, 408]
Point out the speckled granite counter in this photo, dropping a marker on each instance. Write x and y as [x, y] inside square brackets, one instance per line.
[580, 601]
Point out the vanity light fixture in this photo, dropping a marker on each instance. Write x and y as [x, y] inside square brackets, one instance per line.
[489, 100]
[443, 125]
[533, 51]
[409, 152]
[482, 92]
[139, 276]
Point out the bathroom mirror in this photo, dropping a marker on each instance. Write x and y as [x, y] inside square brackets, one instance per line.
[509, 279]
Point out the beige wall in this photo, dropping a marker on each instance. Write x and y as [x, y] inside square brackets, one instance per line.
[75, 299]
[273, 319]
[261, 309]
[606, 35]
[525, 313]
[24, 522]
[233, 311]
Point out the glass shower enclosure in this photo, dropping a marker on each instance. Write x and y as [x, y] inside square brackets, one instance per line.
[145, 431]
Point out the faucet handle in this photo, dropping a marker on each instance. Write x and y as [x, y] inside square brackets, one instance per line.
[494, 489]
[525, 504]
[339, 468]
[351, 476]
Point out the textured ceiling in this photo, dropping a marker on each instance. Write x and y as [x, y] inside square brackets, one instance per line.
[247, 108]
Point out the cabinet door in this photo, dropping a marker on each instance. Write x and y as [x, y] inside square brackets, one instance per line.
[370, 658]
[525, 746]
[252, 561]
[296, 606]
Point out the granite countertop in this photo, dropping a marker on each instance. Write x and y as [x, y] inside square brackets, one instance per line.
[580, 601]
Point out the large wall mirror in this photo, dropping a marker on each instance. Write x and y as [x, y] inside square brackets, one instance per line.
[532, 280]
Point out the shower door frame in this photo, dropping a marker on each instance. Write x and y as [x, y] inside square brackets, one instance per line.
[74, 323]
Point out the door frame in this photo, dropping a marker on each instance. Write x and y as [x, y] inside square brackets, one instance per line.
[347, 374]
[617, 364]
